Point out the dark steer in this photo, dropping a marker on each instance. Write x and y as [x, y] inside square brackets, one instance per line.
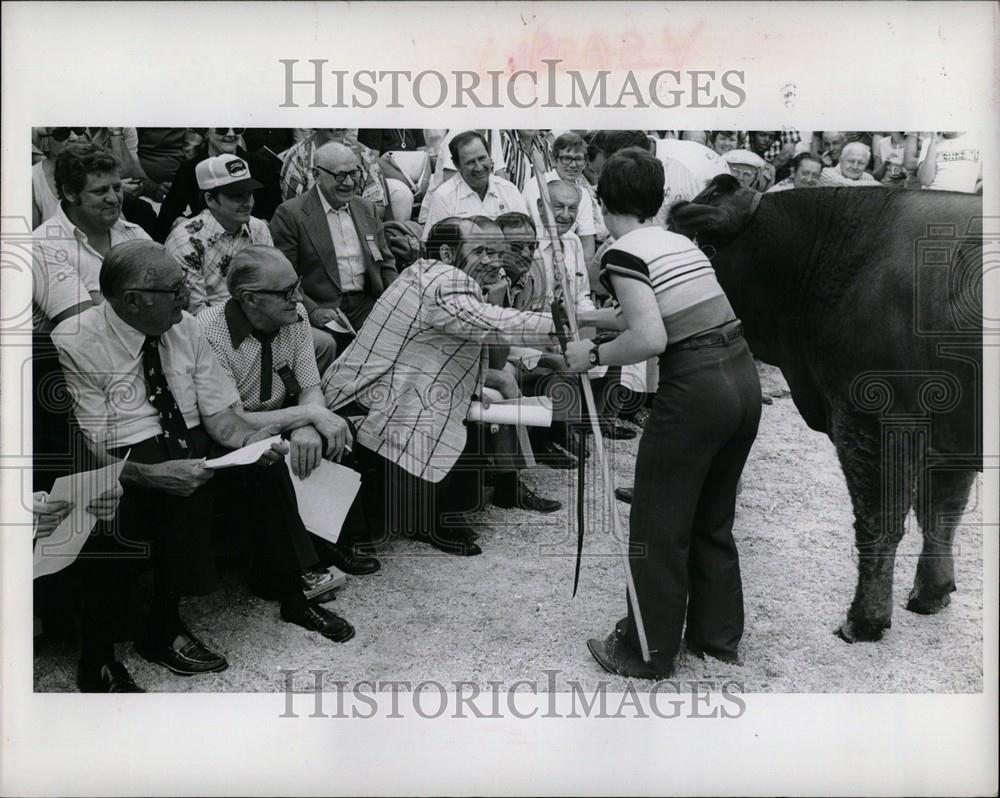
[870, 303]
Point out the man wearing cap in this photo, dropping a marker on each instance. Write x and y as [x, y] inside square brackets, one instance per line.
[205, 244]
[335, 241]
[749, 168]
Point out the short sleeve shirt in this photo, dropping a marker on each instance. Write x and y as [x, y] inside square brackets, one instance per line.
[101, 356]
[229, 332]
[687, 292]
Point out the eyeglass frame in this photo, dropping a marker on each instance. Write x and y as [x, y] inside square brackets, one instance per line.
[288, 294]
[79, 131]
[340, 177]
[571, 160]
[222, 131]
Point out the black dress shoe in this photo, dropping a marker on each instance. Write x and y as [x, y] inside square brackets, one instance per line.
[353, 564]
[522, 496]
[729, 657]
[452, 540]
[318, 619]
[617, 432]
[185, 656]
[112, 677]
[617, 657]
[624, 495]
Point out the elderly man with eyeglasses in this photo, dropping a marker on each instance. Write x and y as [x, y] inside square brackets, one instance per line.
[335, 240]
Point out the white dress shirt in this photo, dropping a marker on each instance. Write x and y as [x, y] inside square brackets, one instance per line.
[346, 245]
[456, 198]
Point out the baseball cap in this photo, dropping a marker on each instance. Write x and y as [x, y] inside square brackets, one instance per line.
[227, 173]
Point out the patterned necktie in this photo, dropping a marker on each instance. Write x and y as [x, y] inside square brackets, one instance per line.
[175, 432]
[266, 362]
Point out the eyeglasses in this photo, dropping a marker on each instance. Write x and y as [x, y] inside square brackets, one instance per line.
[530, 246]
[62, 133]
[571, 160]
[222, 131]
[340, 177]
[178, 292]
[288, 294]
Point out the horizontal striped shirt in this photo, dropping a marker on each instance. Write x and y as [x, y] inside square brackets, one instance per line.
[687, 292]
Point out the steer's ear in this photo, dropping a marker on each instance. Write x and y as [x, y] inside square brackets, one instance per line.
[692, 218]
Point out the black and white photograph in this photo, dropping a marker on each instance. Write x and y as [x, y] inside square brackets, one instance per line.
[667, 424]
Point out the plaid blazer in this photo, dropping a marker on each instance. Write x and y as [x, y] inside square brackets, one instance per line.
[417, 362]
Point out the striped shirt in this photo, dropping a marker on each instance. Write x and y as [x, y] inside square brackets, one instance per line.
[687, 292]
[417, 361]
[519, 170]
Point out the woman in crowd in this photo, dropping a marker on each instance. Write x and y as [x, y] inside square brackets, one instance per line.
[704, 420]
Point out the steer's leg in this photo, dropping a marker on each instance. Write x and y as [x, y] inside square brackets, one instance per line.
[879, 479]
[938, 513]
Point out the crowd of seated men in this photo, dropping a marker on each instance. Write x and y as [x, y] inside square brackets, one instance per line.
[353, 292]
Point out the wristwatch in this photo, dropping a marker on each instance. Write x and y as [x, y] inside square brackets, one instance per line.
[594, 355]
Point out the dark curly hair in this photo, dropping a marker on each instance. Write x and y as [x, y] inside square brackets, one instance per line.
[631, 183]
[78, 160]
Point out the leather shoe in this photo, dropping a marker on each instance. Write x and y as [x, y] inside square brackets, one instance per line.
[618, 432]
[452, 540]
[112, 677]
[186, 655]
[523, 497]
[353, 564]
[624, 495]
[617, 657]
[318, 619]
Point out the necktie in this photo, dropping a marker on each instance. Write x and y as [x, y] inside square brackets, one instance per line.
[175, 433]
[266, 362]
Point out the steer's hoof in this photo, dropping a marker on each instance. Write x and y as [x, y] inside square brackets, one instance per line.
[861, 631]
[927, 605]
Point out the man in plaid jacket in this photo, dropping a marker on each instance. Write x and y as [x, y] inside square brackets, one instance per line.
[412, 373]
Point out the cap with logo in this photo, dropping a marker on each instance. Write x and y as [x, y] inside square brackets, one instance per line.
[228, 173]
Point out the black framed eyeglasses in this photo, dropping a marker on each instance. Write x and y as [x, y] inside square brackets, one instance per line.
[571, 160]
[178, 292]
[288, 294]
[530, 246]
[62, 133]
[222, 131]
[340, 177]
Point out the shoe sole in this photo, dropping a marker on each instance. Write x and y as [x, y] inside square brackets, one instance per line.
[592, 646]
[157, 661]
[317, 631]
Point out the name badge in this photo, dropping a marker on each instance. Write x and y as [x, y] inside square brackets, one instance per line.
[373, 247]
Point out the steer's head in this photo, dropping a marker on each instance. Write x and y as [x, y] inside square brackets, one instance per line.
[718, 214]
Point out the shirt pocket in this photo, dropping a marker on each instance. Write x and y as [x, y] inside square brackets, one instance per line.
[181, 384]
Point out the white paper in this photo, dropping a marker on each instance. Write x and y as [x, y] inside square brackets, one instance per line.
[529, 411]
[325, 496]
[248, 455]
[341, 324]
[58, 550]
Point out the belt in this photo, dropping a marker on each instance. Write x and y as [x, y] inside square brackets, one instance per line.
[717, 336]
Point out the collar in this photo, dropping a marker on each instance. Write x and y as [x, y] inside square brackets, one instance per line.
[67, 224]
[129, 336]
[327, 207]
[465, 190]
[212, 226]
[237, 323]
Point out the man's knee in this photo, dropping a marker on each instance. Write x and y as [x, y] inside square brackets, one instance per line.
[400, 198]
[325, 348]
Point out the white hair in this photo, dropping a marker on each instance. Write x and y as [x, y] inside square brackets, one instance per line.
[856, 146]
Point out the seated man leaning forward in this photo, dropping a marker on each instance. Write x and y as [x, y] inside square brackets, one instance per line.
[262, 338]
[146, 383]
[412, 372]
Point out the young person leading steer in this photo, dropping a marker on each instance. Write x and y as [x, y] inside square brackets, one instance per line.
[704, 421]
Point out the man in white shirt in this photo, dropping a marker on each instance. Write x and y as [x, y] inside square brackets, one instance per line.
[69, 247]
[475, 190]
[951, 162]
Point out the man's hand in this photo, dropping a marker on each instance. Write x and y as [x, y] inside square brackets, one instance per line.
[334, 429]
[48, 514]
[132, 186]
[155, 191]
[320, 316]
[503, 380]
[552, 361]
[578, 354]
[179, 477]
[105, 506]
[306, 451]
[277, 451]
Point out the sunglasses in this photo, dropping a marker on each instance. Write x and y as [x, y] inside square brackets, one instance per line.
[288, 294]
[62, 133]
[222, 131]
[340, 177]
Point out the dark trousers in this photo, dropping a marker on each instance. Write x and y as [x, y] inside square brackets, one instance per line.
[397, 502]
[261, 500]
[682, 553]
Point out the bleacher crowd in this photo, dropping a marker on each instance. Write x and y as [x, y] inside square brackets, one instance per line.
[353, 291]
